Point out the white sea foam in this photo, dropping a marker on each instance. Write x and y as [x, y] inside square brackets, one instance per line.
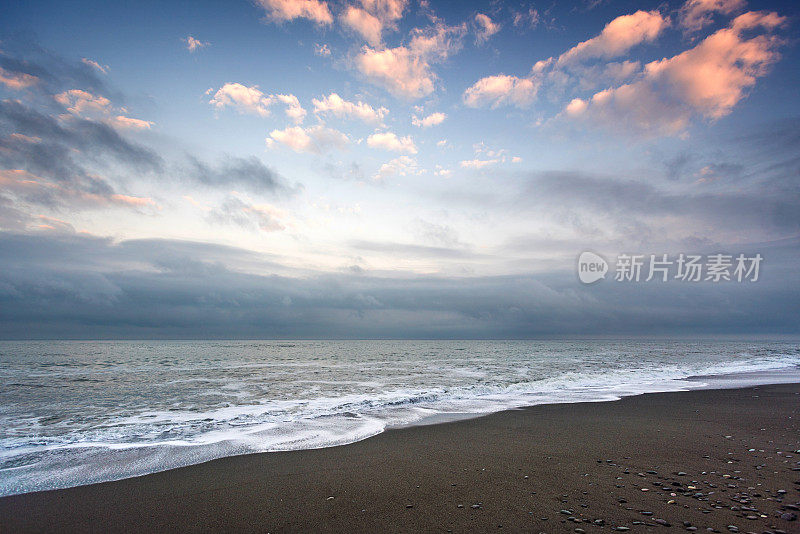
[76, 413]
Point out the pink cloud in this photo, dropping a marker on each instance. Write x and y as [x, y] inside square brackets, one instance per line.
[708, 80]
[95, 65]
[696, 14]
[246, 99]
[619, 36]
[485, 27]
[390, 141]
[16, 80]
[407, 70]
[121, 121]
[88, 106]
[83, 103]
[373, 18]
[500, 90]
[288, 10]
[339, 107]
[434, 119]
[26, 185]
[192, 44]
[314, 139]
[253, 100]
[363, 23]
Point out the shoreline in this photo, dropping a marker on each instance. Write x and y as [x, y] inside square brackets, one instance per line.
[175, 457]
[490, 464]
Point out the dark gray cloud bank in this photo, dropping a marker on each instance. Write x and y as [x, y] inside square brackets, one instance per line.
[78, 286]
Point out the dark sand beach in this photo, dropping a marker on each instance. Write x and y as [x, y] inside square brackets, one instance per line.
[709, 460]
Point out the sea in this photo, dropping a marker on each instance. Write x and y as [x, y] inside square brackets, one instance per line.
[79, 412]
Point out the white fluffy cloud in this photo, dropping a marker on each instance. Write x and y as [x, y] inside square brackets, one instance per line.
[433, 119]
[500, 90]
[253, 100]
[390, 141]
[406, 70]
[288, 10]
[245, 99]
[339, 107]
[314, 139]
[293, 110]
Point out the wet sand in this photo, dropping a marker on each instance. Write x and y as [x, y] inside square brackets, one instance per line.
[710, 460]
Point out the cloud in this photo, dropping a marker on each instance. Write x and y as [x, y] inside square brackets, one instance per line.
[23, 62]
[501, 90]
[234, 171]
[527, 19]
[478, 163]
[386, 10]
[245, 99]
[485, 28]
[697, 14]
[64, 285]
[437, 234]
[373, 18]
[62, 142]
[636, 214]
[288, 10]
[85, 104]
[363, 23]
[433, 119]
[95, 65]
[400, 166]
[253, 100]
[406, 70]
[294, 110]
[339, 107]
[52, 224]
[240, 212]
[192, 44]
[707, 80]
[390, 141]
[59, 163]
[16, 80]
[123, 122]
[32, 189]
[441, 171]
[315, 139]
[619, 36]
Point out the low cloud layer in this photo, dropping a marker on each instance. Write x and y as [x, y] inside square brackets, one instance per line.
[82, 286]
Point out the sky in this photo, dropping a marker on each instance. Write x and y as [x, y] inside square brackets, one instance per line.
[394, 168]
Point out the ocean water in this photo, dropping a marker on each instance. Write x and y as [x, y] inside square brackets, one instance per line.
[74, 412]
